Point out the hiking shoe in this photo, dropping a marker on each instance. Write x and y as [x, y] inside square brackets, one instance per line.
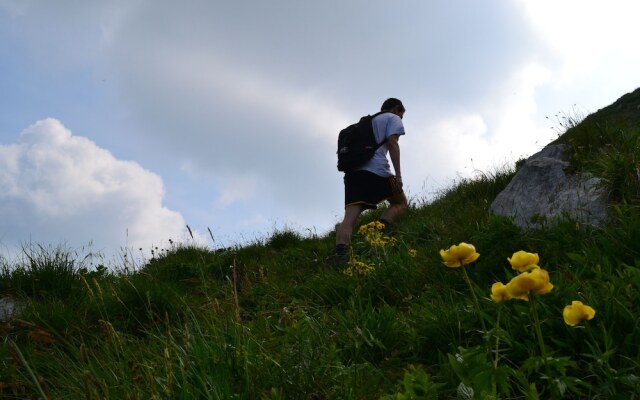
[389, 228]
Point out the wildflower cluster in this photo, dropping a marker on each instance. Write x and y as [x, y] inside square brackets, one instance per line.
[374, 235]
[358, 268]
[532, 279]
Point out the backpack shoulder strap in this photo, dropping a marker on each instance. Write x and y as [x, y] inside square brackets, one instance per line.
[372, 117]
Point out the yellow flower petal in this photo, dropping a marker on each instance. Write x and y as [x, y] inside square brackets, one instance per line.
[541, 277]
[449, 259]
[499, 292]
[458, 255]
[577, 312]
[523, 261]
[536, 280]
[519, 287]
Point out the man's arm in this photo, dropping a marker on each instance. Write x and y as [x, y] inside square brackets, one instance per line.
[394, 153]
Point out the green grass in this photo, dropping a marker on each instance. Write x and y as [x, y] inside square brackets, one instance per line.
[273, 320]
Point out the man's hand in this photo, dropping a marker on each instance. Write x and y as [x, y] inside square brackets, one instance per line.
[398, 183]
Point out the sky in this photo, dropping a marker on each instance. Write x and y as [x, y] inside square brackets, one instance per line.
[124, 122]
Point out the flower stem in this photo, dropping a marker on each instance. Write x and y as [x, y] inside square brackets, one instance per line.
[475, 300]
[497, 334]
[496, 356]
[536, 321]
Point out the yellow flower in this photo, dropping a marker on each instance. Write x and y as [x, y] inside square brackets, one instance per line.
[359, 268]
[577, 312]
[371, 227]
[413, 253]
[373, 234]
[499, 292]
[536, 280]
[457, 256]
[523, 261]
[543, 284]
[519, 288]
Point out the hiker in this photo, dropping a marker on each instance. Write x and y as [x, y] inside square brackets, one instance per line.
[373, 182]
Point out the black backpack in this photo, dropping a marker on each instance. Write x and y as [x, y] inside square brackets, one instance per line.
[357, 144]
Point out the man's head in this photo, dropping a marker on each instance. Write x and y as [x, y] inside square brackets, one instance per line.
[393, 105]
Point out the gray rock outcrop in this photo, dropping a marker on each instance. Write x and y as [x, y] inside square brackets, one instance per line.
[8, 308]
[542, 191]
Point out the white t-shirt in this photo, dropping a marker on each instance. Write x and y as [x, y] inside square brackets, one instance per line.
[384, 125]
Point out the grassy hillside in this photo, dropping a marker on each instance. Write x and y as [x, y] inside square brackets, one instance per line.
[274, 320]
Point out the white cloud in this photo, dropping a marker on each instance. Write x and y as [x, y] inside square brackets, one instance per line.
[511, 113]
[594, 43]
[444, 148]
[59, 188]
[489, 136]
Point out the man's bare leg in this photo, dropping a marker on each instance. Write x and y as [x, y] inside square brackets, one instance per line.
[397, 207]
[345, 230]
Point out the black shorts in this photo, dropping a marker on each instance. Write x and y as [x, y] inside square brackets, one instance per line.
[369, 189]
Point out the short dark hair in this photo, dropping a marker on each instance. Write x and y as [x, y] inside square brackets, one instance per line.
[391, 103]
